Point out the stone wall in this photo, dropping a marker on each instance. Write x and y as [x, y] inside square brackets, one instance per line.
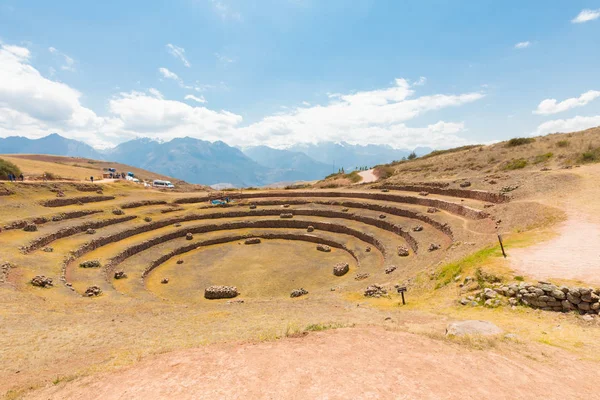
[442, 227]
[453, 208]
[547, 297]
[480, 195]
[42, 220]
[75, 200]
[136, 204]
[266, 224]
[72, 230]
[227, 239]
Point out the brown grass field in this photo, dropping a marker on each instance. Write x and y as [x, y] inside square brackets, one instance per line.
[145, 339]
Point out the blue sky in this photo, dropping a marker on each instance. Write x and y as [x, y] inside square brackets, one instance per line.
[280, 72]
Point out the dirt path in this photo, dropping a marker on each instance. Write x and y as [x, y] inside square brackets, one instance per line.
[575, 252]
[345, 363]
[367, 176]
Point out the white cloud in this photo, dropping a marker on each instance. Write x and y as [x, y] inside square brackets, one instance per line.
[574, 124]
[168, 74]
[422, 81]
[225, 11]
[200, 99]
[552, 106]
[179, 53]
[522, 45]
[223, 58]
[34, 106]
[68, 62]
[586, 16]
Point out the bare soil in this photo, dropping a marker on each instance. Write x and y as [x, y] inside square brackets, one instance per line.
[341, 364]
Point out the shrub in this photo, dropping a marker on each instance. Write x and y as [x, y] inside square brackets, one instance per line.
[590, 156]
[519, 142]
[6, 167]
[50, 176]
[540, 158]
[515, 164]
[412, 156]
[562, 143]
[383, 171]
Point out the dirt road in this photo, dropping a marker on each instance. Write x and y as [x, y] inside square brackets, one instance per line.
[355, 363]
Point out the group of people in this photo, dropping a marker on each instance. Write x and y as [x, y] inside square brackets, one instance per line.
[13, 178]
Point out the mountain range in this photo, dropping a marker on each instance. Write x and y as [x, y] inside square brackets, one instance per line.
[216, 163]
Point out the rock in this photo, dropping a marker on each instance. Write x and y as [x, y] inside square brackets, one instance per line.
[368, 249]
[465, 184]
[30, 228]
[48, 249]
[390, 269]
[148, 219]
[286, 206]
[423, 193]
[472, 327]
[433, 247]
[189, 236]
[220, 292]
[489, 293]
[375, 291]
[385, 190]
[432, 210]
[90, 264]
[417, 228]
[286, 215]
[118, 211]
[587, 318]
[253, 206]
[360, 277]
[509, 188]
[464, 302]
[252, 241]
[324, 248]
[90, 231]
[583, 306]
[179, 261]
[120, 275]
[99, 192]
[382, 216]
[298, 292]
[558, 294]
[403, 251]
[41, 281]
[341, 269]
[237, 301]
[310, 228]
[93, 291]
[164, 281]
[177, 225]
[345, 209]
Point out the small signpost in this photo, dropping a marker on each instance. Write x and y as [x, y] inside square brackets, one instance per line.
[401, 290]
[501, 245]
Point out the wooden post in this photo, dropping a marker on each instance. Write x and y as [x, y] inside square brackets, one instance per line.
[501, 245]
[401, 290]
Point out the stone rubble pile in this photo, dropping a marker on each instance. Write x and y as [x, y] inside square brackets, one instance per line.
[324, 248]
[220, 292]
[375, 291]
[252, 241]
[341, 269]
[93, 291]
[417, 228]
[90, 264]
[390, 269]
[298, 292]
[120, 275]
[286, 215]
[41, 281]
[403, 251]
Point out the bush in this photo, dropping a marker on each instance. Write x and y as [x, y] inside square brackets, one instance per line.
[412, 156]
[540, 158]
[50, 176]
[6, 167]
[383, 171]
[515, 164]
[519, 142]
[562, 143]
[590, 156]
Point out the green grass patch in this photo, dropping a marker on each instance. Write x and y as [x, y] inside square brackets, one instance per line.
[519, 142]
[323, 327]
[519, 163]
[562, 143]
[448, 272]
[454, 150]
[540, 158]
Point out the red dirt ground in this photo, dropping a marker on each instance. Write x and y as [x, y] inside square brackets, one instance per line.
[346, 363]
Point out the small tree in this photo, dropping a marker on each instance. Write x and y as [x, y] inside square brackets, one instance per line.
[412, 156]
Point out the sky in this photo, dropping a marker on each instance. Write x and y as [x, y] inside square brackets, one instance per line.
[436, 73]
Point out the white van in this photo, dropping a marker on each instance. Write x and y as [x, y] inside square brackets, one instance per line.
[162, 184]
